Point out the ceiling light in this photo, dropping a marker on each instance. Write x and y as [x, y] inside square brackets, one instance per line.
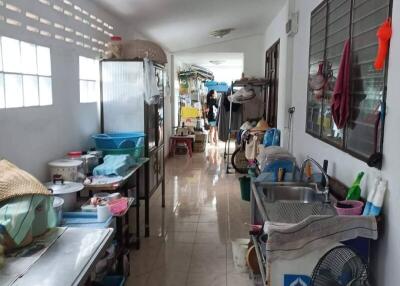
[217, 62]
[221, 33]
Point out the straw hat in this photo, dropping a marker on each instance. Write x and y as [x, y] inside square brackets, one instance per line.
[15, 182]
[262, 125]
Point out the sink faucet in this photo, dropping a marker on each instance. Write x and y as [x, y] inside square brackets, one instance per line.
[303, 166]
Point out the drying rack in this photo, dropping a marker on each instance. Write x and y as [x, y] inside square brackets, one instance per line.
[256, 83]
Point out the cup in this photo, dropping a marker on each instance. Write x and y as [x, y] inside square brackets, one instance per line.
[103, 213]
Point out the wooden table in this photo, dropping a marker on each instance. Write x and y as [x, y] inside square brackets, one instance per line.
[120, 186]
[175, 139]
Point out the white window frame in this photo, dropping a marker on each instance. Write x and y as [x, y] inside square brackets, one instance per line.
[44, 92]
[89, 80]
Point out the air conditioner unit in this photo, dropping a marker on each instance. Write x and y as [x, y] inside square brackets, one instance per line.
[292, 25]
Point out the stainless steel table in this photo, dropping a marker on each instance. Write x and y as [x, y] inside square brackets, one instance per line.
[70, 260]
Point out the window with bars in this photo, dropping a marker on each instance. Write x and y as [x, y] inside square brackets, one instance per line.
[334, 22]
[89, 80]
[25, 74]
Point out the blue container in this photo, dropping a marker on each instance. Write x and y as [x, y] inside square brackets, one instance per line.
[122, 140]
[113, 281]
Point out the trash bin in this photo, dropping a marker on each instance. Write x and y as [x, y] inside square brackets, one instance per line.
[245, 188]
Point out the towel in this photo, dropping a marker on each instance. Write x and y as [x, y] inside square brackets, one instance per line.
[290, 241]
[18, 215]
[116, 165]
[341, 94]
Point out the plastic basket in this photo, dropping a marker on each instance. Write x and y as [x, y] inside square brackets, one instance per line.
[122, 140]
[245, 188]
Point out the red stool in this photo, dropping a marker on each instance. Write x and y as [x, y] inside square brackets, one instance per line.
[174, 140]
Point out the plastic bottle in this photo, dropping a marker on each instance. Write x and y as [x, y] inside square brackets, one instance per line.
[378, 199]
[371, 195]
[354, 192]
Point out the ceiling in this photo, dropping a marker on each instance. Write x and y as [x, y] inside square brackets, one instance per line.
[183, 24]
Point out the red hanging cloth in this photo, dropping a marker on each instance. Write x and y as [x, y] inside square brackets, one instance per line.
[341, 94]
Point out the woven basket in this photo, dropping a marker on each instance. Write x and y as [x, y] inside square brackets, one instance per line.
[15, 182]
[140, 49]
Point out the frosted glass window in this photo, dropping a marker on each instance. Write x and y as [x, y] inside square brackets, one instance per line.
[88, 69]
[11, 55]
[13, 90]
[45, 91]
[2, 102]
[26, 75]
[44, 61]
[28, 56]
[31, 90]
[89, 80]
[1, 59]
[83, 86]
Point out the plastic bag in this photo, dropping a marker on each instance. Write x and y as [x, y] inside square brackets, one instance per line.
[151, 92]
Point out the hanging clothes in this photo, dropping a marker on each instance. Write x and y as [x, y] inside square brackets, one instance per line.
[151, 91]
[254, 109]
[252, 143]
[223, 118]
[341, 94]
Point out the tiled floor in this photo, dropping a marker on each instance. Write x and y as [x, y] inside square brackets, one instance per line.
[190, 241]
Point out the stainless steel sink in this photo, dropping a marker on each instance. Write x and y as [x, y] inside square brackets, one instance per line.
[300, 193]
[290, 202]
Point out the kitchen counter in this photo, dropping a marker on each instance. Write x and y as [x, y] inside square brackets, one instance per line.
[69, 260]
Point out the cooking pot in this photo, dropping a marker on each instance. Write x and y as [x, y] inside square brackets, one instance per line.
[69, 170]
[67, 191]
[89, 163]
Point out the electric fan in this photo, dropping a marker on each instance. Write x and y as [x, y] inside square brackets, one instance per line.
[340, 266]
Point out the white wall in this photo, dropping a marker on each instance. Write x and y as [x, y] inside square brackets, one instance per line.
[251, 47]
[31, 137]
[276, 31]
[385, 252]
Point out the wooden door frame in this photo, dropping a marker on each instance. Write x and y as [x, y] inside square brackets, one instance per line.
[271, 103]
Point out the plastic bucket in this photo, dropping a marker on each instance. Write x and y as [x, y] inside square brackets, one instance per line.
[245, 188]
[239, 252]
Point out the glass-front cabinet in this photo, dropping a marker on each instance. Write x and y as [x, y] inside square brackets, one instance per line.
[123, 109]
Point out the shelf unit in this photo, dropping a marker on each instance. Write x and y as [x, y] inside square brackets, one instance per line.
[256, 83]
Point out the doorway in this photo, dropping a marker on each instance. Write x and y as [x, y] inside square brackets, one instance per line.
[272, 74]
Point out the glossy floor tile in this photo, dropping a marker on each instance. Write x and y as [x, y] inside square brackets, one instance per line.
[190, 242]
